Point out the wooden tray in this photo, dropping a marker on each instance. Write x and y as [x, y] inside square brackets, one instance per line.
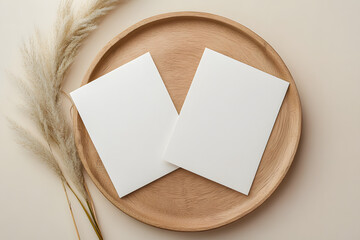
[182, 200]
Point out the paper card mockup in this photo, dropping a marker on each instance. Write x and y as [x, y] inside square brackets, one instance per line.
[129, 116]
[226, 121]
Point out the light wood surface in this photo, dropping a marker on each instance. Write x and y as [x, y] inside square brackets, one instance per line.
[182, 200]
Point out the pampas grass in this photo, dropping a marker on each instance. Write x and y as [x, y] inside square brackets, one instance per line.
[46, 60]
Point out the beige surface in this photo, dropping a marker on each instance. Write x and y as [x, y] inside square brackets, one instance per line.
[319, 198]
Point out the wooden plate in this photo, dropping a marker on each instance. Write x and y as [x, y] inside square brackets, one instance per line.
[182, 200]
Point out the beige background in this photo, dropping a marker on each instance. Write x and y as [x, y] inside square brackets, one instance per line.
[319, 198]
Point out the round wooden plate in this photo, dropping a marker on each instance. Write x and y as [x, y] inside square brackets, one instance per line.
[182, 200]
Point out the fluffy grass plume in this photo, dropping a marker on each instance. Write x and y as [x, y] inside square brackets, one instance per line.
[46, 60]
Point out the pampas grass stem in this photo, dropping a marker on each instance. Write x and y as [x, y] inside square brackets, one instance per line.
[71, 211]
[94, 225]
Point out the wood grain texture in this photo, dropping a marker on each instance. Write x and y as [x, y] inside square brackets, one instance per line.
[182, 200]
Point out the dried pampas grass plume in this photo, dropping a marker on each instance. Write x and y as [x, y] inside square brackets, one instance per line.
[46, 60]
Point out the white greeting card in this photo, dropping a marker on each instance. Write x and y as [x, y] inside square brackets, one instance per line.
[129, 116]
[226, 121]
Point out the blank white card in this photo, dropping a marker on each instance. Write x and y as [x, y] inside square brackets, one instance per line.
[226, 121]
[129, 116]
